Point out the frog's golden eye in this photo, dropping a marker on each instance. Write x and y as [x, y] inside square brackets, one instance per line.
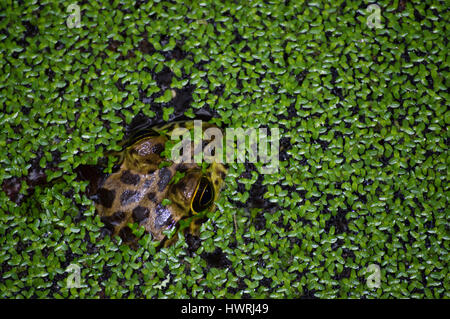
[203, 196]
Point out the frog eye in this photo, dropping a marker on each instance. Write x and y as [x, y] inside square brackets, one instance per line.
[203, 196]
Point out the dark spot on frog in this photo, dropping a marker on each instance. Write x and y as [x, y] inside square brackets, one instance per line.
[181, 168]
[158, 148]
[127, 234]
[113, 220]
[129, 178]
[163, 216]
[151, 196]
[140, 213]
[164, 178]
[118, 217]
[129, 197]
[106, 197]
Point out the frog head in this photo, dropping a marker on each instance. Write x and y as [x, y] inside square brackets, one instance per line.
[155, 192]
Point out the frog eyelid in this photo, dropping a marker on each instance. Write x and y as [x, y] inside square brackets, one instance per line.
[193, 197]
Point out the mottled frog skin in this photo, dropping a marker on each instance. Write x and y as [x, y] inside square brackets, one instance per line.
[136, 192]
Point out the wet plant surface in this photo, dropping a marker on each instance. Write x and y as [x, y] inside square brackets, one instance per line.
[362, 113]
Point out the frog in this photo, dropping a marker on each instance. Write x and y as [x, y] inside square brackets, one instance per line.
[155, 192]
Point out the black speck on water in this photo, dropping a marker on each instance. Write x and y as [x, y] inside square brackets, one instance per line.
[216, 259]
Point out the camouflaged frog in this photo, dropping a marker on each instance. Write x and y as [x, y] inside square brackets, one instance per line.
[142, 191]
